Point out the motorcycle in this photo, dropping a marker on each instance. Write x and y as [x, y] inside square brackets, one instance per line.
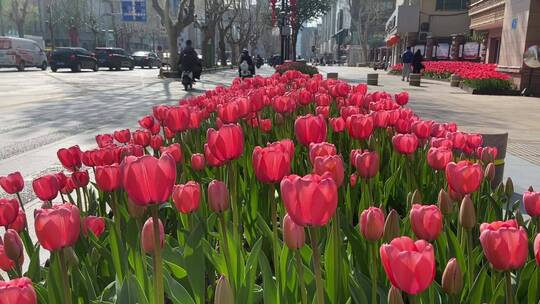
[245, 70]
[259, 63]
[187, 80]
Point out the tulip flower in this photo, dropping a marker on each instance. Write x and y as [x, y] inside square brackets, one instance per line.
[293, 234]
[409, 265]
[104, 140]
[46, 187]
[438, 158]
[309, 200]
[464, 177]
[6, 264]
[197, 161]
[13, 246]
[271, 163]
[372, 224]
[175, 150]
[122, 136]
[156, 141]
[142, 137]
[94, 224]
[148, 180]
[80, 178]
[17, 291]
[218, 196]
[505, 245]
[108, 178]
[360, 126]
[405, 143]
[402, 98]
[187, 197]
[426, 221]
[365, 162]
[19, 224]
[331, 164]
[310, 129]
[70, 158]
[146, 122]
[147, 236]
[531, 200]
[537, 249]
[9, 209]
[459, 139]
[338, 124]
[225, 144]
[445, 202]
[452, 278]
[57, 227]
[467, 213]
[321, 149]
[12, 183]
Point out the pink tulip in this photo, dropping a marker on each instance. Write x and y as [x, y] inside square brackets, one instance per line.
[426, 221]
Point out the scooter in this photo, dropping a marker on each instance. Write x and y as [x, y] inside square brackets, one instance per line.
[245, 70]
[187, 80]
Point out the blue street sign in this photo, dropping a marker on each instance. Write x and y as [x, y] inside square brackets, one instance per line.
[134, 10]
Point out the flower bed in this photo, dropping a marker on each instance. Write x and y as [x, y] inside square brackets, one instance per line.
[479, 76]
[286, 189]
[301, 67]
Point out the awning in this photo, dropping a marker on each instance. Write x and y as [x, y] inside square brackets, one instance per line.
[392, 40]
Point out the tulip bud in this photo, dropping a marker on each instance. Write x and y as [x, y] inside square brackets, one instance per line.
[293, 234]
[13, 245]
[445, 202]
[136, 211]
[391, 226]
[147, 235]
[224, 294]
[519, 218]
[71, 256]
[372, 224]
[394, 296]
[452, 278]
[218, 196]
[490, 172]
[509, 187]
[416, 197]
[353, 179]
[467, 213]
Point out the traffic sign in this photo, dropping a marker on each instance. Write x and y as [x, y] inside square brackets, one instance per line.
[134, 10]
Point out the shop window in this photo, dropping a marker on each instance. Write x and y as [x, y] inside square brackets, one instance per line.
[452, 5]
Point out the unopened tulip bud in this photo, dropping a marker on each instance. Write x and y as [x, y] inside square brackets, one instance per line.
[13, 245]
[445, 202]
[467, 213]
[147, 236]
[416, 197]
[509, 187]
[293, 234]
[136, 211]
[353, 179]
[372, 224]
[489, 173]
[391, 226]
[224, 293]
[394, 296]
[218, 196]
[71, 256]
[452, 278]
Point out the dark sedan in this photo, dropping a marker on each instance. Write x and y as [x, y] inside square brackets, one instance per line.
[75, 59]
[146, 59]
[114, 58]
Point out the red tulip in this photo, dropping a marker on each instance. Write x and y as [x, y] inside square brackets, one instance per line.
[146, 122]
[156, 127]
[160, 112]
[17, 291]
[309, 200]
[227, 143]
[142, 137]
[6, 264]
[323, 99]
[531, 200]
[13, 246]
[148, 180]
[197, 161]
[70, 158]
[353, 179]
[187, 197]
[332, 164]
[537, 249]
[403, 126]
[486, 154]
[426, 221]
[338, 124]
[211, 159]
[271, 163]
[104, 140]
[405, 143]
[108, 178]
[310, 129]
[19, 223]
[218, 196]
[58, 227]
[229, 112]
[175, 150]
[474, 140]
[421, 128]
[441, 143]
[365, 162]
[438, 158]
[505, 244]
[156, 142]
[372, 224]
[9, 209]
[294, 235]
[305, 97]
[321, 149]
[360, 126]
[464, 177]
[380, 119]
[94, 224]
[122, 136]
[402, 98]
[409, 265]
[459, 139]
[147, 236]
[265, 125]
[80, 178]
[283, 104]
[12, 183]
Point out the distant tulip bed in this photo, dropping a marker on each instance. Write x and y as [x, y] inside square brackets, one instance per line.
[480, 76]
[286, 189]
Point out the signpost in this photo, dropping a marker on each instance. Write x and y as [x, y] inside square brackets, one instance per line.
[134, 10]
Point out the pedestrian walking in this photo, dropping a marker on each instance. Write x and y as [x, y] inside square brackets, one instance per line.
[417, 62]
[406, 59]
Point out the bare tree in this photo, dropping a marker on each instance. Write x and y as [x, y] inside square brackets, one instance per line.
[173, 27]
[306, 11]
[214, 11]
[224, 26]
[263, 23]
[2, 28]
[241, 33]
[18, 13]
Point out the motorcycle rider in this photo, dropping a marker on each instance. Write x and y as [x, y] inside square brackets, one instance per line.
[246, 68]
[188, 62]
[259, 61]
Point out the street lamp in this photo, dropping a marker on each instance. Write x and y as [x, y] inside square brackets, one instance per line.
[285, 30]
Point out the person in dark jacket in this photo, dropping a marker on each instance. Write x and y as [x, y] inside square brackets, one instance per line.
[417, 62]
[245, 57]
[406, 59]
[189, 60]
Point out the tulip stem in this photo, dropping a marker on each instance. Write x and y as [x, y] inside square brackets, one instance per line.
[468, 236]
[413, 299]
[317, 264]
[65, 279]
[509, 291]
[273, 204]
[225, 249]
[374, 273]
[158, 264]
[300, 270]
[234, 205]
[20, 202]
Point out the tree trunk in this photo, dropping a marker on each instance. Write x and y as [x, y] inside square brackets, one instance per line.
[234, 54]
[20, 28]
[222, 48]
[172, 35]
[294, 38]
[2, 29]
[206, 49]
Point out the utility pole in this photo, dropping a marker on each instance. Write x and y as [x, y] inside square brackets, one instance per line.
[285, 31]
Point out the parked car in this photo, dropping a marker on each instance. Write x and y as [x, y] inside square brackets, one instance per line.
[73, 58]
[146, 59]
[114, 58]
[21, 53]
